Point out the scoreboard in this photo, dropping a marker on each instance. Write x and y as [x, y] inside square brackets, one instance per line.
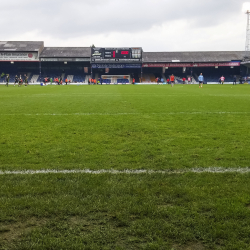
[116, 55]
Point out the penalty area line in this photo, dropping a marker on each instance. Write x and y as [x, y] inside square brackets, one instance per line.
[214, 170]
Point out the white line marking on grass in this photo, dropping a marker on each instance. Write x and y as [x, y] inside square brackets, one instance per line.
[120, 114]
[215, 170]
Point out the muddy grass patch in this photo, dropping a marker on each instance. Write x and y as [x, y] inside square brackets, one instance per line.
[190, 246]
[13, 231]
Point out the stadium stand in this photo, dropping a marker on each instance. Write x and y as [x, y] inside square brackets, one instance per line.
[106, 81]
[148, 78]
[193, 56]
[74, 63]
[34, 78]
[70, 78]
[78, 78]
[122, 81]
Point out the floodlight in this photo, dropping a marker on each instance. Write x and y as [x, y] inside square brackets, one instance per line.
[246, 7]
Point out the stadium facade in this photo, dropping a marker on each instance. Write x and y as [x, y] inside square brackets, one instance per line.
[78, 64]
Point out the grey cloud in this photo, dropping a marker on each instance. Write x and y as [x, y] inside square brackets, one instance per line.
[63, 18]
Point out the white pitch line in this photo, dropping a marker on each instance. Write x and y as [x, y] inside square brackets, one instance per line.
[215, 170]
[120, 114]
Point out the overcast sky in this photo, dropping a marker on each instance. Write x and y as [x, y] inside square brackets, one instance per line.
[154, 25]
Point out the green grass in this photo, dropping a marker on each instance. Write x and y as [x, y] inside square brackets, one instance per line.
[124, 127]
[127, 127]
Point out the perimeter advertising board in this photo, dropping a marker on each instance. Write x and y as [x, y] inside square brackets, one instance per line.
[173, 65]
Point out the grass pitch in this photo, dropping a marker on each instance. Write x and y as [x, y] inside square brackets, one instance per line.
[124, 127]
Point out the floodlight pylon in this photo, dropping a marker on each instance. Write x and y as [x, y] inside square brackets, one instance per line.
[247, 48]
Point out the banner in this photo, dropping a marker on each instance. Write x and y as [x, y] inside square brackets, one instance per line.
[116, 66]
[66, 59]
[182, 65]
[18, 56]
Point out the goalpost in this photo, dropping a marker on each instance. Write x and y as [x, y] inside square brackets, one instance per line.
[116, 79]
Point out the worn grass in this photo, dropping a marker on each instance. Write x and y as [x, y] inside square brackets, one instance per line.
[124, 127]
[207, 211]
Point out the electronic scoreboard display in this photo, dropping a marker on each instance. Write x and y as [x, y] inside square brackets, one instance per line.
[116, 55]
